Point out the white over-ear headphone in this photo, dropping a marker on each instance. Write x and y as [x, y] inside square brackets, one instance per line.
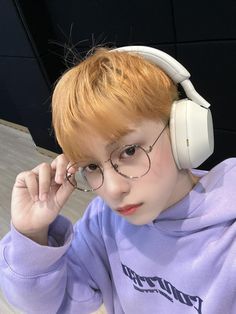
[191, 127]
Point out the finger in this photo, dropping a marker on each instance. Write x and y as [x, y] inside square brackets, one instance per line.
[60, 165]
[44, 177]
[72, 167]
[29, 181]
[54, 162]
[63, 194]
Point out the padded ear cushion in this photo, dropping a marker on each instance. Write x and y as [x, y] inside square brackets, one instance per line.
[191, 131]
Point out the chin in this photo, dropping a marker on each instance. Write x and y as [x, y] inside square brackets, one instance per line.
[140, 221]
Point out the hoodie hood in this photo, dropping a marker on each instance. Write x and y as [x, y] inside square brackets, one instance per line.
[207, 204]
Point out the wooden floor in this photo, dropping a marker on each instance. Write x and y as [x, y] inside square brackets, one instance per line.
[18, 153]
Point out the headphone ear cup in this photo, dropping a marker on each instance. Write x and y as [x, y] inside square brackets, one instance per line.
[191, 131]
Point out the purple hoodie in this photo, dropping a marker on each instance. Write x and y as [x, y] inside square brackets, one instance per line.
[184, 262]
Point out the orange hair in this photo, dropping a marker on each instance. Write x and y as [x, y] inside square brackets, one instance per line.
[105, 94]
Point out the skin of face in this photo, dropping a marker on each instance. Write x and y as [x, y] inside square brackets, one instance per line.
[164, 184]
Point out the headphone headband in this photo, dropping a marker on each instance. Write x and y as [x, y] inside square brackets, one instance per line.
[177, 72]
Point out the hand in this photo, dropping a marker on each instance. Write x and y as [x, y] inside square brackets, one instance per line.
[38, 196]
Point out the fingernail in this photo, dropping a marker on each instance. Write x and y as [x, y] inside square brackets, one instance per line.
[59, 178]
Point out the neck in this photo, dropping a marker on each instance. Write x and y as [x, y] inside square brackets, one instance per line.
[185, 184]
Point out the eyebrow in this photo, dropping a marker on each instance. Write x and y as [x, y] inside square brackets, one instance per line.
[123, 139]
[117, 142]
[86, 157]
[110, 144]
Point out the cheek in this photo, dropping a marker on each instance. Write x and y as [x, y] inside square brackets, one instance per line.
[162, 179]
[161, 182]
[163, 163]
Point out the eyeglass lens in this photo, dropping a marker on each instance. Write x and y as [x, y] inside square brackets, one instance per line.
[130, 161]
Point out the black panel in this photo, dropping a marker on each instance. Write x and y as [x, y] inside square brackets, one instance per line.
[204, 20]
[34, 17]
[213, 67]
[54, 65]
[8, 110]
[98, 21]
[29, 97]
[224, 148]
[14, 40]
[168, 48]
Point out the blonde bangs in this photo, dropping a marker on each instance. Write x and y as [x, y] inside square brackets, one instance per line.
[105, 95]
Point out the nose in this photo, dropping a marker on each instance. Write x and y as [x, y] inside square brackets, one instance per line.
[115, 186]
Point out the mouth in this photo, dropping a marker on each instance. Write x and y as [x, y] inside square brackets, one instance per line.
[128, 209]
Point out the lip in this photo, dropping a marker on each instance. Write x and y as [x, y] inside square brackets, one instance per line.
[128, 209]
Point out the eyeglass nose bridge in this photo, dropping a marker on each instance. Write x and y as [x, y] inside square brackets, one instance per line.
[115, 166]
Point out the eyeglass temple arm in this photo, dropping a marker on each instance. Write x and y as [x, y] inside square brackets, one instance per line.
[151, 146]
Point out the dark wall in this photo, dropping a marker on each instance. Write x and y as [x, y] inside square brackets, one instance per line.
[25, 88]
[36, 36]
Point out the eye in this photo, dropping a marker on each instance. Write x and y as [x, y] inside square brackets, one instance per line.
[128, 152]
[90, 168]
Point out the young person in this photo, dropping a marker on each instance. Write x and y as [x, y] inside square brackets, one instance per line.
[159, 237]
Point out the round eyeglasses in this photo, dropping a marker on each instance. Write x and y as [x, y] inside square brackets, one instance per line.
[130, 161]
